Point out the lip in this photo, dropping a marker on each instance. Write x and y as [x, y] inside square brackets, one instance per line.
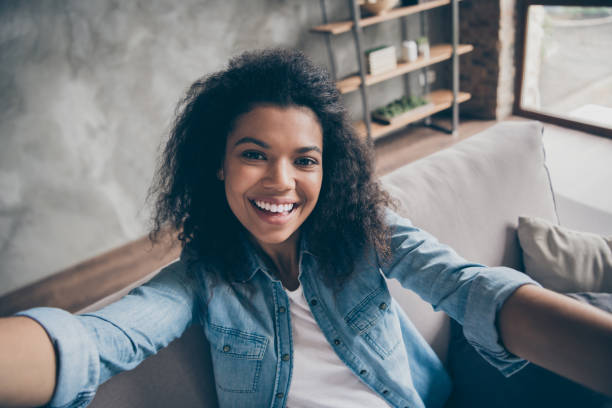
[275, 200]
[274, 218]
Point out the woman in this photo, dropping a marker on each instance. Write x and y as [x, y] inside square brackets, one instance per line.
[287, 242]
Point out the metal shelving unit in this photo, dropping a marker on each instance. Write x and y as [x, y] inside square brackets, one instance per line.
[441, 99]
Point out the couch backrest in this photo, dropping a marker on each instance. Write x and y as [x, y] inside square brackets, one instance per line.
[468, 196]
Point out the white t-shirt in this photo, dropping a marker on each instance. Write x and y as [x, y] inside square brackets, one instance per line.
[320, 379]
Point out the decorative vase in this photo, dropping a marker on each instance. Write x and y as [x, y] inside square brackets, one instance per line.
[378, 6]
[409, 51]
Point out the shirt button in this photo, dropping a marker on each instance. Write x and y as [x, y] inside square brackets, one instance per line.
[280, 395]
[337, 342]
[363, 372]
[313, 302]
[383, 306]
[385, 392]
[226, 348]
[285, 357]
[282, 309]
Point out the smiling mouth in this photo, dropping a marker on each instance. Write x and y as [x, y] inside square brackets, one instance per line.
[272, 208]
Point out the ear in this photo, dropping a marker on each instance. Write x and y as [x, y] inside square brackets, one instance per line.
[220, 174]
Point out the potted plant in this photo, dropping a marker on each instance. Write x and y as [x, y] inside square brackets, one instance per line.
[400, 109]
[423, 46]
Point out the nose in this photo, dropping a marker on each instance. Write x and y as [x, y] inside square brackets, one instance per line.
[280, 176]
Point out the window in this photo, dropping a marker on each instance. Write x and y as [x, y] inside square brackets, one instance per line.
[566, 71]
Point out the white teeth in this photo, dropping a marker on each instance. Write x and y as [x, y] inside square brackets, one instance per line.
[275, 208]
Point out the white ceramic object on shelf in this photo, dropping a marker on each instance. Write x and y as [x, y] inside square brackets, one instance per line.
[409, 51]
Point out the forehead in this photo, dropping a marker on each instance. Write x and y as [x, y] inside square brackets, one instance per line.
[293, 125]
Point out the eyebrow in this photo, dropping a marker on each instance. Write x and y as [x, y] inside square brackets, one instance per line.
[264, 145]
[252, 140]
[307, 149]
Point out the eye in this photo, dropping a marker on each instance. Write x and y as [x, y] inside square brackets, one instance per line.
[253, 155]
[306, 162]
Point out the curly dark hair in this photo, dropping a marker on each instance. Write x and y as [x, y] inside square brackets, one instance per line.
[349, 214]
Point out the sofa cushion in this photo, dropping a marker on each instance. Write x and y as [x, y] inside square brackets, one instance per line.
[600, 300]
[565, 260]
[180, 375]
[470, 196]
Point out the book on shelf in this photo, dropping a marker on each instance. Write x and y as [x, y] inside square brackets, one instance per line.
[381, 59]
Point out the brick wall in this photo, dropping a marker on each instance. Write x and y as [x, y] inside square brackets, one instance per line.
[488, 72]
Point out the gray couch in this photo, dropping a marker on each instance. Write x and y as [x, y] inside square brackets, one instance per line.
[469, 196]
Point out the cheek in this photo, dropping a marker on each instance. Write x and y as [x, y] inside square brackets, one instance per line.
[314, 187]
[234, 189]
[234, 196]
[234, 176]
[238, 181]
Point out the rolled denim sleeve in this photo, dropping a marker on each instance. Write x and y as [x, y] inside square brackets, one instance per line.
[470, 293]
[93, 347]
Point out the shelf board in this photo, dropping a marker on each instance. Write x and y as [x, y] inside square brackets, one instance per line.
[340, 27]
[441, 99]
[437, 53]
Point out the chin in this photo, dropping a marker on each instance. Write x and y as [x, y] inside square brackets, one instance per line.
[274, 238]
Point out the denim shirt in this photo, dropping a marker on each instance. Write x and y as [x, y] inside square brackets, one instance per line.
[247, 323]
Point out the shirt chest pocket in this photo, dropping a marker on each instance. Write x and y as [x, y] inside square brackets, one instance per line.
[374, 321]
[237, 357]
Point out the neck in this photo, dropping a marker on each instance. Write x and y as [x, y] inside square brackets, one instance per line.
[284, 258]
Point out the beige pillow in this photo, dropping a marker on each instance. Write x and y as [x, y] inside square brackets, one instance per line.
[564, 260]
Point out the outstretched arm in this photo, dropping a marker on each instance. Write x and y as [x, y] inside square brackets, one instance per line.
[27, 363]
[48, 355]
[560, 334]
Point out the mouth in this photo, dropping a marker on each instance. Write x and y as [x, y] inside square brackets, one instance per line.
[277, 213]
[272, 208]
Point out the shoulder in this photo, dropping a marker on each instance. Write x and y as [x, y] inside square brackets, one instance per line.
[394, 220]
[199, 270]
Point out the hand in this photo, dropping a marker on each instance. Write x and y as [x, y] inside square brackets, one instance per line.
[27, 363]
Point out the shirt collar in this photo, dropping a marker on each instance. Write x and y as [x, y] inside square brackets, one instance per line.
[255, 261]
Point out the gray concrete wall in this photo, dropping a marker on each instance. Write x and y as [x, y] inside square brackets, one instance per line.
[88, 92]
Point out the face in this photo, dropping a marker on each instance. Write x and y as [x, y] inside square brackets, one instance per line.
[272, 170]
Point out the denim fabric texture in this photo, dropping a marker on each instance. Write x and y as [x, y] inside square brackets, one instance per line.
[247, 323]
